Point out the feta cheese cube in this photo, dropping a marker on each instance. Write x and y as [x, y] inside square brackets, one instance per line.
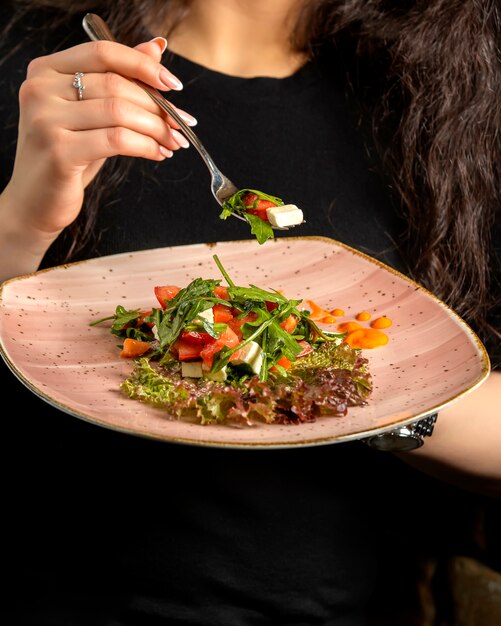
[191, 369]
[251, 355]
[208, 314]
[218, 377]
[284, 216]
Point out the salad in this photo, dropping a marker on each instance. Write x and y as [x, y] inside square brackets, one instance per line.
[218, 353]
[262, 211]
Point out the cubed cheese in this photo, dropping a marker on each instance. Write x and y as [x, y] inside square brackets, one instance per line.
[284, 216]
[191, 369]
[208, 314]
[251, 355]
[218, 377]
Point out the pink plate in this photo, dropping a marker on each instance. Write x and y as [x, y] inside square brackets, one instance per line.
[432, 359]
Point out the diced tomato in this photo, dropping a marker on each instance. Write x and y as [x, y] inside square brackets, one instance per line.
[257, 206]
[289, 324]
[221, 292]
[195, 338]
[271, 306]
[236, 355]
[249, 199]
[207, 353]
[133, 348]
[222, 313]
[165, 293]
[260, 213]
[236, 324]
[265, 204]
[190, 343]
[140, 320]
[187, 351]
[260, 209]
[227, 338]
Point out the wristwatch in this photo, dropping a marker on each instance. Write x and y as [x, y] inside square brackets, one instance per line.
[405, 438]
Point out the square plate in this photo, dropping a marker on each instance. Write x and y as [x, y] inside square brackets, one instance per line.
[432, 358]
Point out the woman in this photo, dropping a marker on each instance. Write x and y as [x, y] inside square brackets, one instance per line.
[383, 124]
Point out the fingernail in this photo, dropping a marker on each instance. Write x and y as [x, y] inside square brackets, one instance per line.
[161, 42]
[170, 81]
[165, 151]
[180, 139]
[189, 119]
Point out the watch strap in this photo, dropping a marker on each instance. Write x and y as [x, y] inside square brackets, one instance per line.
[404, 438]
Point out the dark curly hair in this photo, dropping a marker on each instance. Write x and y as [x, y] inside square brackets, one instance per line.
[436, 120]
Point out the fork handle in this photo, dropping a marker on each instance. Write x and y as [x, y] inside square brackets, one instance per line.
[97, 30]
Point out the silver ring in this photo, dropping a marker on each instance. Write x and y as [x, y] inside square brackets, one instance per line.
[77, 83]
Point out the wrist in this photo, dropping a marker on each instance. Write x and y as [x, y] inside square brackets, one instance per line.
[22, 246]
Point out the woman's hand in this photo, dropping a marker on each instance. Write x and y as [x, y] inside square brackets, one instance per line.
[63, 141]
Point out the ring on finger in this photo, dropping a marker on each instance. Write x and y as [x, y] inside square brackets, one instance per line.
[78, 84]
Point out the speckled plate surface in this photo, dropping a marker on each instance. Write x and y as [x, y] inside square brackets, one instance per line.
[432, 358]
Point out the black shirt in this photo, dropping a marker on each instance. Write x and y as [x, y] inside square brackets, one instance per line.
[104, 528]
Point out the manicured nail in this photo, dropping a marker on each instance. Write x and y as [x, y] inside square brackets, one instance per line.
[170, 81]
[161, 42]
[165, 152]
[180, 139]
[189, 119]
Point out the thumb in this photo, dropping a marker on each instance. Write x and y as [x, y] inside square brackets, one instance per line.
[154, 48]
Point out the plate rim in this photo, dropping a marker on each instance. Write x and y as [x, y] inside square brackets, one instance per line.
[311, 442]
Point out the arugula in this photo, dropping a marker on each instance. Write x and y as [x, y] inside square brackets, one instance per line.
[124, 324]
[325, 381]
[183, 309]
[259, 227]
[183, 313]
[274, 340]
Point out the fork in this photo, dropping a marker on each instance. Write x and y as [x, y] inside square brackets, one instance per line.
[222, 188]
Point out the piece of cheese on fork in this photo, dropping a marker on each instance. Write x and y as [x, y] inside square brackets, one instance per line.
[284, 216]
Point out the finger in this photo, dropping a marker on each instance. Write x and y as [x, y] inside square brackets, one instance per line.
[113, 85]
[39, 101]
[104, 56]
[87, 146]
[154, 48]
[116, 112]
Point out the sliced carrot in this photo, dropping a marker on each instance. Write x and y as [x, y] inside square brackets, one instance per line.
[133, 348]
[283, 362]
